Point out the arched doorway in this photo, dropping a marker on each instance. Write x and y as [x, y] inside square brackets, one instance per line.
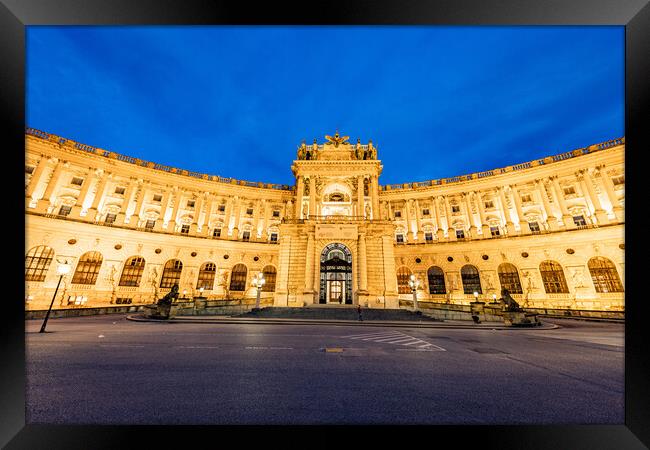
[335, 275]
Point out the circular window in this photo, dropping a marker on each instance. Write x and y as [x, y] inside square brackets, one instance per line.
[257, 258]
[72, 241]
[226, 256]
[485, 257]
[158, 250]
[193, 254]
[450, 259]
[524, 254]
[418, 260]
[118, 246]
[570, 251]
[621, 246]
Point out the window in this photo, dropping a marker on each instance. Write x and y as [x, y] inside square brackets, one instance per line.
[171, 273]
[455, 208]
[87, 268]
[460, 234]
[274, 237]
[77, 181]
[221, 208]
[246, 236]
[29, 169]
[618, 180]
[400, 238]
[509, 278]
[428, 237]
[157, 198]
[216, 232]
[525, 198]
[489, 204]
[110, 218]
[471, 279]
[123, 301]
[494, 231]
[64, 210]
[190, 204]
[398, 214]
[206, 276]
[436, 279]
[37, 262]
[579, 221]
[569, 190]
[269, 275]
[534, 227]
[425, 212]
[403, 277]
[120, 190]
[132, 272]
[238, 278]
[249, 211]
[553, 278]
[604, 275]
[185, 229]
[150, 224]
[276, 213]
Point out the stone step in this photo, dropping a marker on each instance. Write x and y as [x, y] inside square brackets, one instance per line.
[337, 313]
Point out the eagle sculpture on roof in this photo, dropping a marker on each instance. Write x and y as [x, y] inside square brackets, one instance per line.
[336, 140]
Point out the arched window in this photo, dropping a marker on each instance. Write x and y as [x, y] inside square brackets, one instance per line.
[171, 273]
[132, 272]
[436, 278]
[206, 276]
[403, 275]
[238, 278]
[471, 279]
[269, 275]
[604, 274]
[87, 268]
[553, 278]
[37, 262]
[509, 278]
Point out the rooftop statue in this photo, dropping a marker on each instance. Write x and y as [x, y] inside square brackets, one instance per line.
[336, 140]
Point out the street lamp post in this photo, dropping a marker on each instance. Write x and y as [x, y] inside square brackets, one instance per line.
[62, 270]
[413, 284]
[258, 282]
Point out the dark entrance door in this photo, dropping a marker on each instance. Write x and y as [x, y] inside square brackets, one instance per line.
[335, 275]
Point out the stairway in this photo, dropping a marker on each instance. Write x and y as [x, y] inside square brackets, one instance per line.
[334, 313]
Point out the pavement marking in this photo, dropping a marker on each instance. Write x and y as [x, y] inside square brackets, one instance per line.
[268, 348]
[120, 345]
[195, 346]
[396, 338]
[333, 350]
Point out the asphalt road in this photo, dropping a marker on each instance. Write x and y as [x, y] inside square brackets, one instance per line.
[108, 370]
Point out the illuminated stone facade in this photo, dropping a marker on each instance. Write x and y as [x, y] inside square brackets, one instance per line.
[550, 230]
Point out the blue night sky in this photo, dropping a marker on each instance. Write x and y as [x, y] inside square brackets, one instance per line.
[237, 101]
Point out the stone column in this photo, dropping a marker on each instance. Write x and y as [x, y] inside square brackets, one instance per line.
[227, 217]
[524, 228]
[375, 197]
[164, 206]
[257, 206]
[436, 210]
[83, 195]
[510, 227]
[485, 228]
[559, 196]
[360, 196]
[300, 189]
[121, 216]
[44, 203]
[470, 217]
[611, 194]
[363, 269]
[551, 220]
[93, 211]
[309, 264]
[451, 233]
[418, 225]
[585, 178]
[312, 196]
[407, 218]
[36, 177]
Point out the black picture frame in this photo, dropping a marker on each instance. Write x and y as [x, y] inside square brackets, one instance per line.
[633, 14]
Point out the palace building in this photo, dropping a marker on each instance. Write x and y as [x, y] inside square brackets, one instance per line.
[551, 231]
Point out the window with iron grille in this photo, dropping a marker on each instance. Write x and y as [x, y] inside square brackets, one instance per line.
[132, 272]
[216, 232]
[525, 198]
[428, 237]
[77, 181]
[171, 273]
[88, 268]
[269, 275]
[569, 190]
[403, 277]
[400, 238]
[206, 276]
[37, 262]
[190, 204]
[249, 211]
[460, 234]
[494, 231]
[425, 212]
[471, 279]
[489, 204]
[274, 237]
[221, 208]
[246, 235]
[553, 278]
[398, 214]
[64, 210]
[276, 213]
[579, 221]
[534, 227]
[436, 278]
[150, 224]
[185, 229]
[604, 275]
[238, 278]
[455, 208]
[509, 278]
[110, 218]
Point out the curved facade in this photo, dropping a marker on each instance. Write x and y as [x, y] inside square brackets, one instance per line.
[551, 231]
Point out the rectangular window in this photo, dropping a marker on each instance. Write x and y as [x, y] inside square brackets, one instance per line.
[534, 227]
[249, 211]
[425, 212]
[495, 231]
[398, 214]
[77, 181]
[190, 203]
[221, 208]
[428, 237]
[123, 301]
[216, 232]
[455, 208]
[274, 237]
[489, 204]
[525, 198]
[276, 213]
[460, 234]
[150, 224]
[157, 198]
[185, 229]
[618, 180]
[569, 190]
[246, 235]
[579, 221]
[64, 210]
[120, 190]
[110, 218]
[400, 238]
[29, 169]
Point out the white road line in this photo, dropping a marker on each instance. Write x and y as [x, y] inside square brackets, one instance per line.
[411, 343]
[356, 336]
[195, 346]
[396, 339]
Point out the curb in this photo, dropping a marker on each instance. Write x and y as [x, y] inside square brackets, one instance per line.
[376, 323]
